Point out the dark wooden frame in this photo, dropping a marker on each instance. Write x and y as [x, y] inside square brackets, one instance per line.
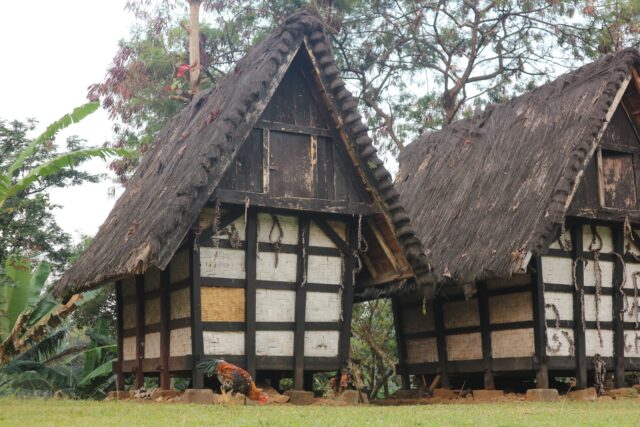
[540, 327]
[119, 336]
[485, 334]
[165, 331]
[251, 236]
[300, 302]
[197, 346]
[578, 330]
[140, 332]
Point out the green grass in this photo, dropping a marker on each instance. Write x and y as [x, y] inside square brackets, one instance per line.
[34, 412]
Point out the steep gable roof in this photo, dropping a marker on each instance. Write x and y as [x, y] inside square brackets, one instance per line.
[190, 155]
[486, 191]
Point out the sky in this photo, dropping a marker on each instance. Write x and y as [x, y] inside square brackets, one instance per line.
[52, 51]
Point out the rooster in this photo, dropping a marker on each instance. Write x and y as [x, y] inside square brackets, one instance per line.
[233, 378]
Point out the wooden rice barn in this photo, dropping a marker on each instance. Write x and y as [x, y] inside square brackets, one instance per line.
[251, 222]
[529, 215]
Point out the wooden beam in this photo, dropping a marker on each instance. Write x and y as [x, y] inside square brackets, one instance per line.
[441, 340]
[400, 343]
[347, 296]
[539, 329]
[250, 292]
[301, 302]
[139, 330]
[289, 128]
[165, 331]
[485, 335]
[120, 336]
[383, 244]
[618, 307]
[295, 203]
[197, 345]
[578, 330]
[333, 236]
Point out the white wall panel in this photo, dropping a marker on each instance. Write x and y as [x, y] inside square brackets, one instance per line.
[632, 344]
[285, 271]
[152, 345]
[564, 345]
[324, 269]
[592, 342]
[318, 238]
[563, 302]
[557, 270]
[129, 348]
[223, 343]
[605, 309]
[323, 307]
[321, 343]
[605, 235]
[222, 262]
[606, 268]
[275, 305]
[274, 343]
[289, 226]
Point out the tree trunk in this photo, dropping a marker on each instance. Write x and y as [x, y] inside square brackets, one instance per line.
[194, 45]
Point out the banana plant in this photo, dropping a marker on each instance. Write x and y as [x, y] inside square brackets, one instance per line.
[13, 179]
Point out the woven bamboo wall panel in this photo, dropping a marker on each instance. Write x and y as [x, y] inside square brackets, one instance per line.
[129, 287]
[222, 304]
[321, 343]
[560, 342]
[318, 238]
[129, 348]
[423, 350]
[152, 279]
[413, 320]
[563, 301]
[558, 270]
[152, 311]
[606, 267]
[592, 342]
[512, 343]
[285, 271]
[510, 282]
[180, 304]
[632, 344]
[605, 235]
[274, 343]
[222, 262]
[464, 346]
[129, 316]
[223, 343]
[180, 342]
[632, 271]
[605, 308]
[179, 266]
[275, 305]
[152, 345]
[324, 269]
[323, 307]
[510, 308]
[458, 314]
[289, 226]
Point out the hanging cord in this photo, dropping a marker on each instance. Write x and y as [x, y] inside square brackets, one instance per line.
[247, 202]
[361, 247]
[595, 247]
[215, 227]
[627, 347]
[556, 312]
[623, 283]
[581, 288]
[636, 343]
[234, 236]
[277, 244]
[556, 349]
[635, 310]
[572, 347]
[599, 373]
[304, 256]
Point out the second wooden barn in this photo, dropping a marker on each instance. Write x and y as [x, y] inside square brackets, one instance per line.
[242, 233]
[529, 214]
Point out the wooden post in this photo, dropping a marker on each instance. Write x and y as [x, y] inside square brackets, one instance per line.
[485, 334]
[194, 45]
[618, 307]
[347, 297]
[120, 338]
[441, 340]
[251, 240]
[165, 332]
[301, 302]
[578, 329]
[402, 352]
[539, 327]
[139, 330]
[197, 345]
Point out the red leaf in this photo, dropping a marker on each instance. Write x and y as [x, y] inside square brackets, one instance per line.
[183, 69]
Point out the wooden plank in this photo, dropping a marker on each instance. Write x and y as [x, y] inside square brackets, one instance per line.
[321, 169]
[197, 346]
[120, 336]
[578, 331]
[485, 334]
[347, 295]
[291, 128]
[139, 330]
[289, 165]
[617, 309]
[347, 207]
[301, 302]
[441, 341]
[266, 155]
[539, 329]
[383, 244]
[400, 342]
[165, 331]
[250, 296]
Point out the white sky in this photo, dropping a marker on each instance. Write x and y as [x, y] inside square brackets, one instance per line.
[51, 52]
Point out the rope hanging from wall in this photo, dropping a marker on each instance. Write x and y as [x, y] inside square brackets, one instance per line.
[595, 247]
[579, 288]
[277, 243]
[599, 373]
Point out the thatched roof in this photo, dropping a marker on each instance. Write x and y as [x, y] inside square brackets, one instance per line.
[185, 164]
[487, 190]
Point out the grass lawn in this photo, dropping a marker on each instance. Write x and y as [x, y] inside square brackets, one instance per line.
[34, 412]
